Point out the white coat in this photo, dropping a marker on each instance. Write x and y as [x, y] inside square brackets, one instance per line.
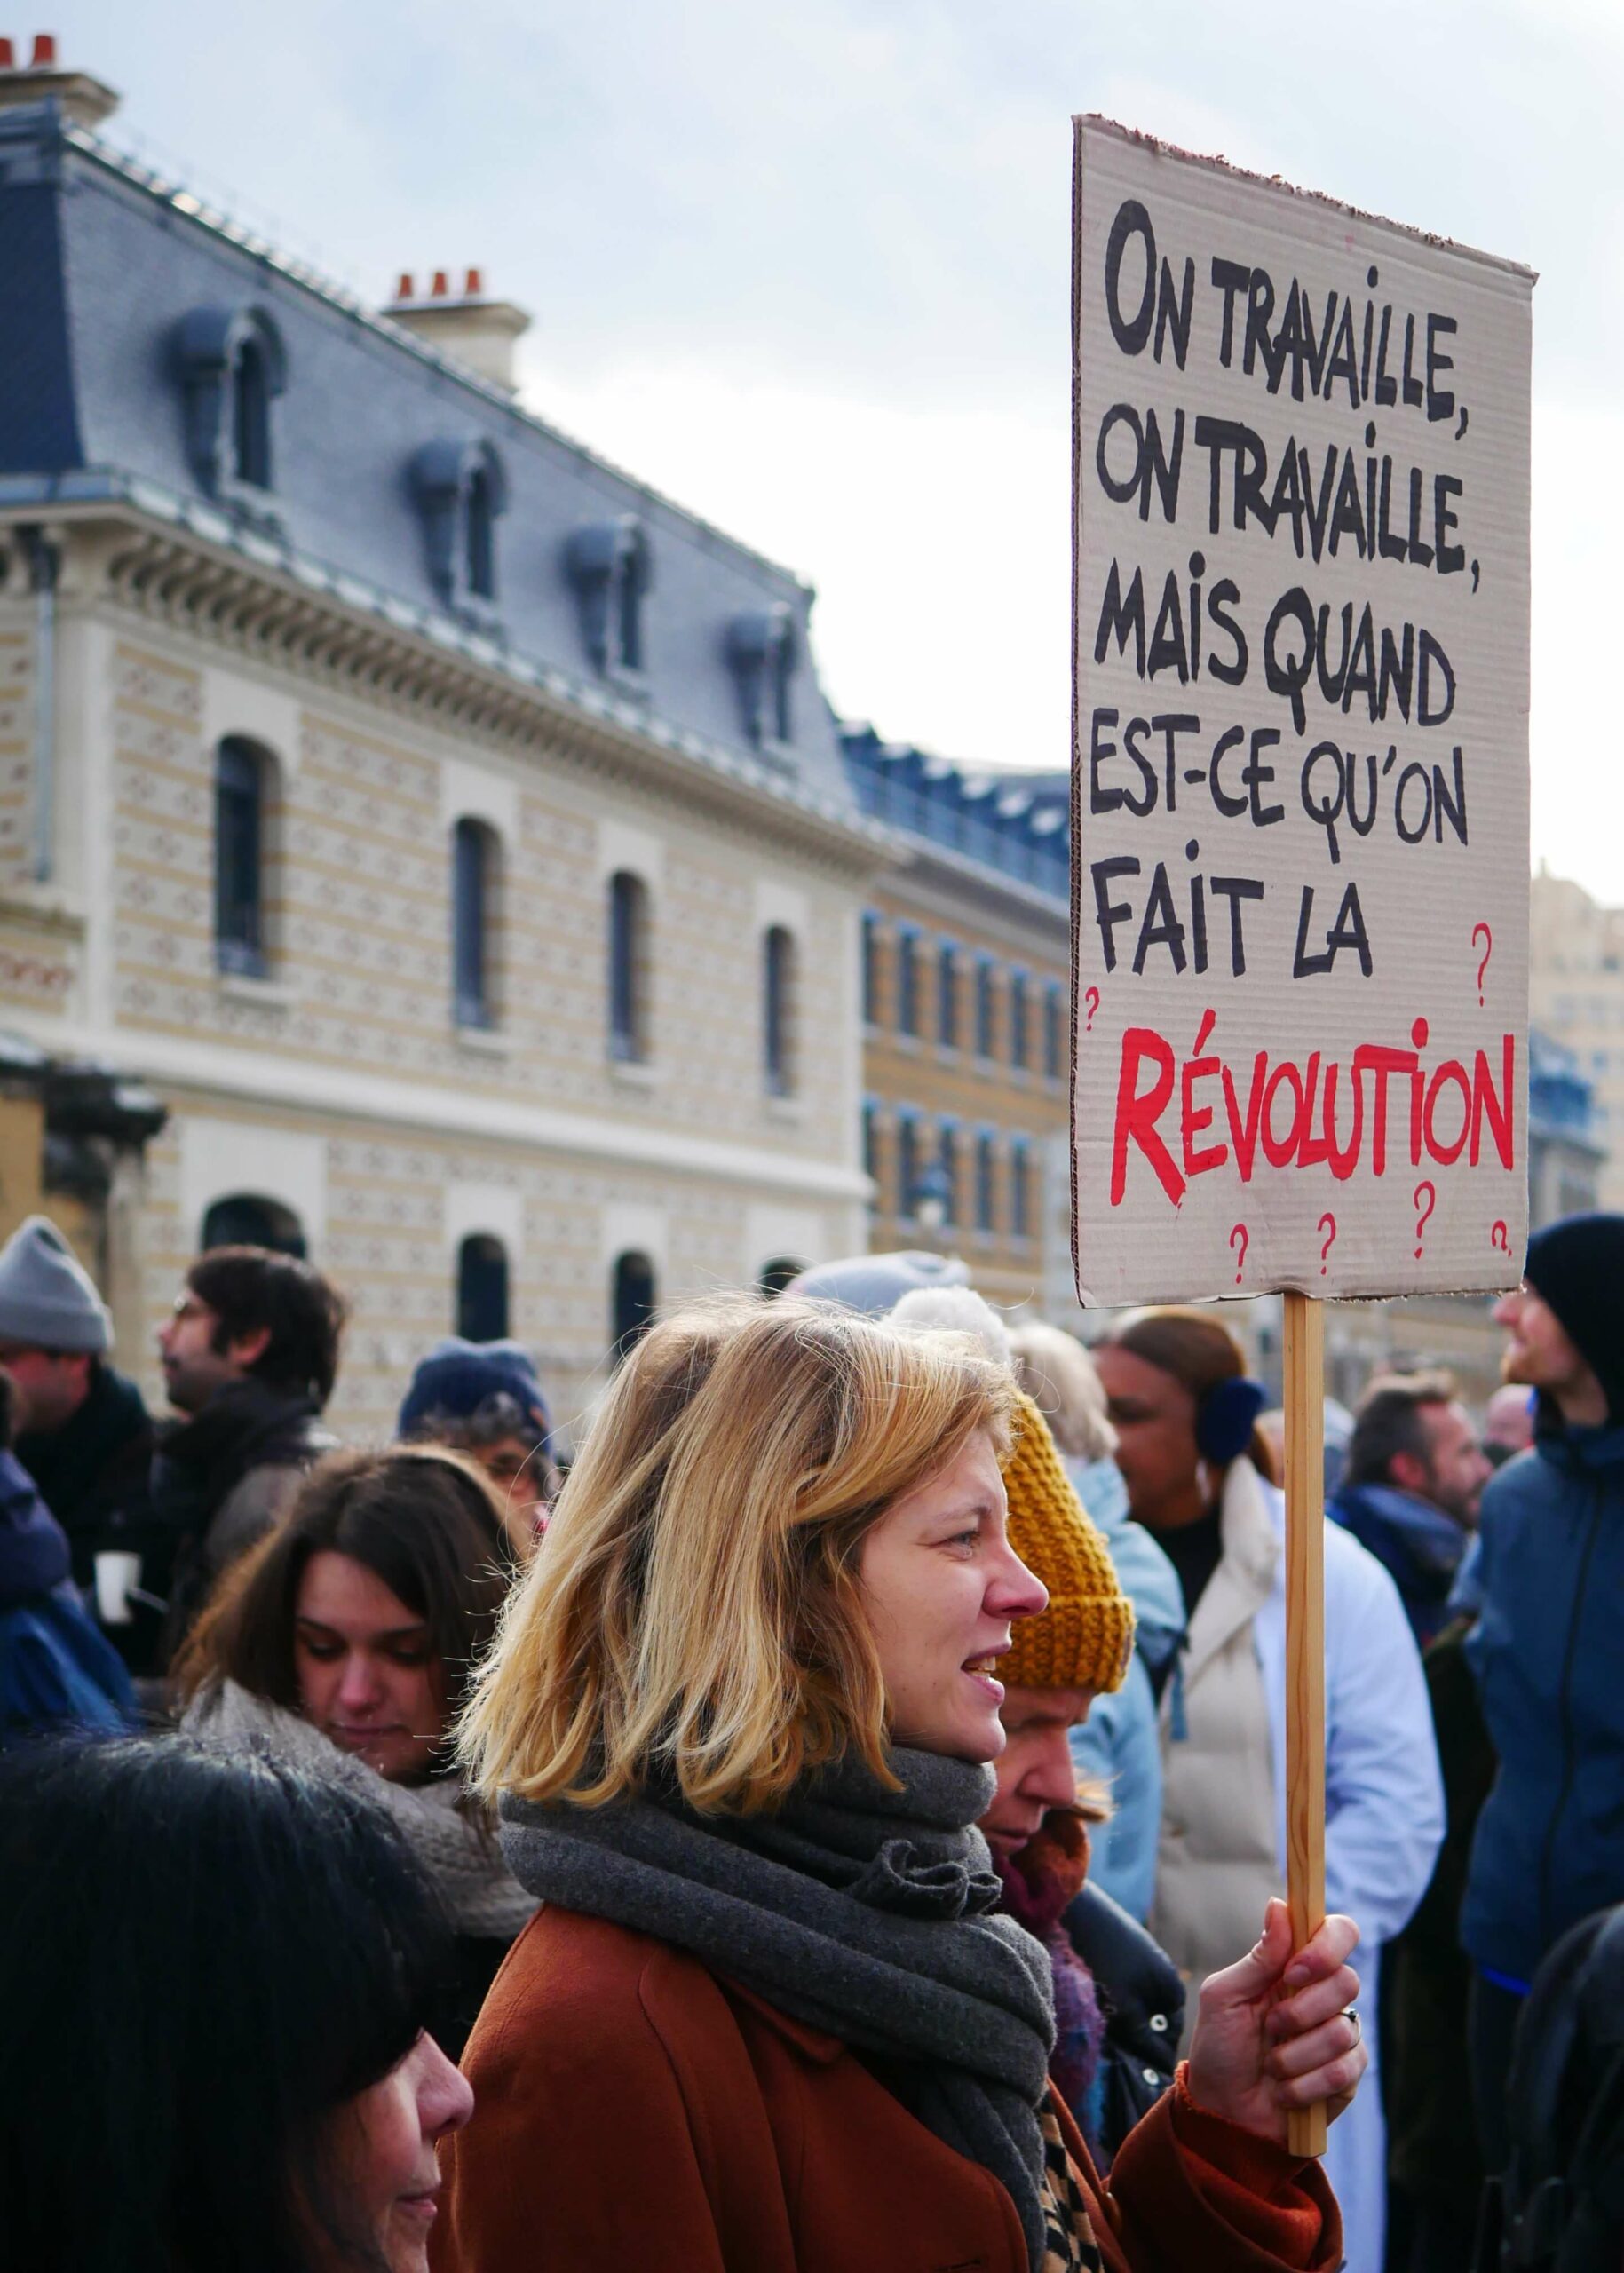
[1220, 1859]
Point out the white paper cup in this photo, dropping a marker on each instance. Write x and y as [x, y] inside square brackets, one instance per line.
[117, 1572]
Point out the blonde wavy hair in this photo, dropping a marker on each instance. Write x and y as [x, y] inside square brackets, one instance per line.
[693, 1613]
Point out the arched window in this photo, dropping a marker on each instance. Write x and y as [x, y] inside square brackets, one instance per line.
[1020, 1189]
[776, 1275]
[947, 995]
[473, 862]
[632, 1299]
[245, 1219]
[985, 1008]
[1054, 1031]
[908, 1164]
[908, 981]
[250, 415]
[871, 1156]
[627, 967]
[947, 1160]
[482, 1288]
[987, 1206]
[240, 930]
[777, 1009]
[1017, 1019]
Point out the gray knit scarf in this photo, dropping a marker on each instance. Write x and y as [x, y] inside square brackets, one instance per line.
[861, 1912]
[481, 1897]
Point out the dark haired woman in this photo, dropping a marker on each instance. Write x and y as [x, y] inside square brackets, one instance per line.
[1199, 1477]
[217, 1977]
[342, 1645]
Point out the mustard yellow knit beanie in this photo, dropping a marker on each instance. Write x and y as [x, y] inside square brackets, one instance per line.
[1084, 1639]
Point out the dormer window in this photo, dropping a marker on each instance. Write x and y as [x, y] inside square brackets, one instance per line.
[480, 535]
[233, 366]
[462, 491]
[610, 567]
[250, 416]
[762, 652]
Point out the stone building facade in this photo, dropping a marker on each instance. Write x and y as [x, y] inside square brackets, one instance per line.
[1576, 997]
[448, 828]
[967, 1020]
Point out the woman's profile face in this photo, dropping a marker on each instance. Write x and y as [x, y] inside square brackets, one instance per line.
[941, 1584]
[383, 2144]
[1153, 1414]
[366, 1672]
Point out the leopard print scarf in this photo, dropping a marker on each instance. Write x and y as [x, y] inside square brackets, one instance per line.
[1069, 2245]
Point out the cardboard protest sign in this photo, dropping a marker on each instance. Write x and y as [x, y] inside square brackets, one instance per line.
[1301, 741]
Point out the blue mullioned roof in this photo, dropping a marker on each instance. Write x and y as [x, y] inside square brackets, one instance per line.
[99, 264]
[1018, 825]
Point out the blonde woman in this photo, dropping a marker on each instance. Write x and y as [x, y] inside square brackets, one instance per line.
[738, 1719]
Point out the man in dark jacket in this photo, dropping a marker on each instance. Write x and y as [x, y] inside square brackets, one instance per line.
[1550, 1844]
[1412, 1488]
[83, 1434]
[249, 1357]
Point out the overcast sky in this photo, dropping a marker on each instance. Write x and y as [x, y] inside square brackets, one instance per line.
[806, 268]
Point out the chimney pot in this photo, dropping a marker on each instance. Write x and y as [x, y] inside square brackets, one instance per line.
[403, 290]
[459, 321]
[44, 51]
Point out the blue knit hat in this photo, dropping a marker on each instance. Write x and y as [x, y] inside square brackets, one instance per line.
[458, 1377]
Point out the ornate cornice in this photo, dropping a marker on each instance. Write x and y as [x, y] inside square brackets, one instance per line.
[232, 590]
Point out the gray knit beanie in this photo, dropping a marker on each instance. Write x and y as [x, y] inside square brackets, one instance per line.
[48, 1300]
[874, 1284]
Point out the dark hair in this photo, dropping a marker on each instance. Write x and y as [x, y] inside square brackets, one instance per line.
[422, 1519]
[1198, 1349]
[250, 1288]
[1389, 1421]
[202, 1956]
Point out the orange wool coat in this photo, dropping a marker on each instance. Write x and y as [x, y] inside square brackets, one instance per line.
[634, 2111]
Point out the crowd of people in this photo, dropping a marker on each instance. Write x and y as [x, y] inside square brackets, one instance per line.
[834, 1820]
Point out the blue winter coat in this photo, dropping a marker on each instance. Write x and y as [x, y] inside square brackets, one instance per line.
[56, 1667]
[1548, 1654]
[1119, 1743]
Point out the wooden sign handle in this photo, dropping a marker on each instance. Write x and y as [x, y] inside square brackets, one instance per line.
[1305, 1408]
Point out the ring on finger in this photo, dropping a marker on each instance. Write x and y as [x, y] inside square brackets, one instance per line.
[1351, 2013]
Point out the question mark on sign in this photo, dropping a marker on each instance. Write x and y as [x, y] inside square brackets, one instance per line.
[1330, 1238]
[1425, 1212]
[1488, 949]
[1240, 1233]
[1499, 1237]
[1090, 995]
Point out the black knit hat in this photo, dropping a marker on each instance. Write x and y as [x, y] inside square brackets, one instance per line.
[1577, 1267]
